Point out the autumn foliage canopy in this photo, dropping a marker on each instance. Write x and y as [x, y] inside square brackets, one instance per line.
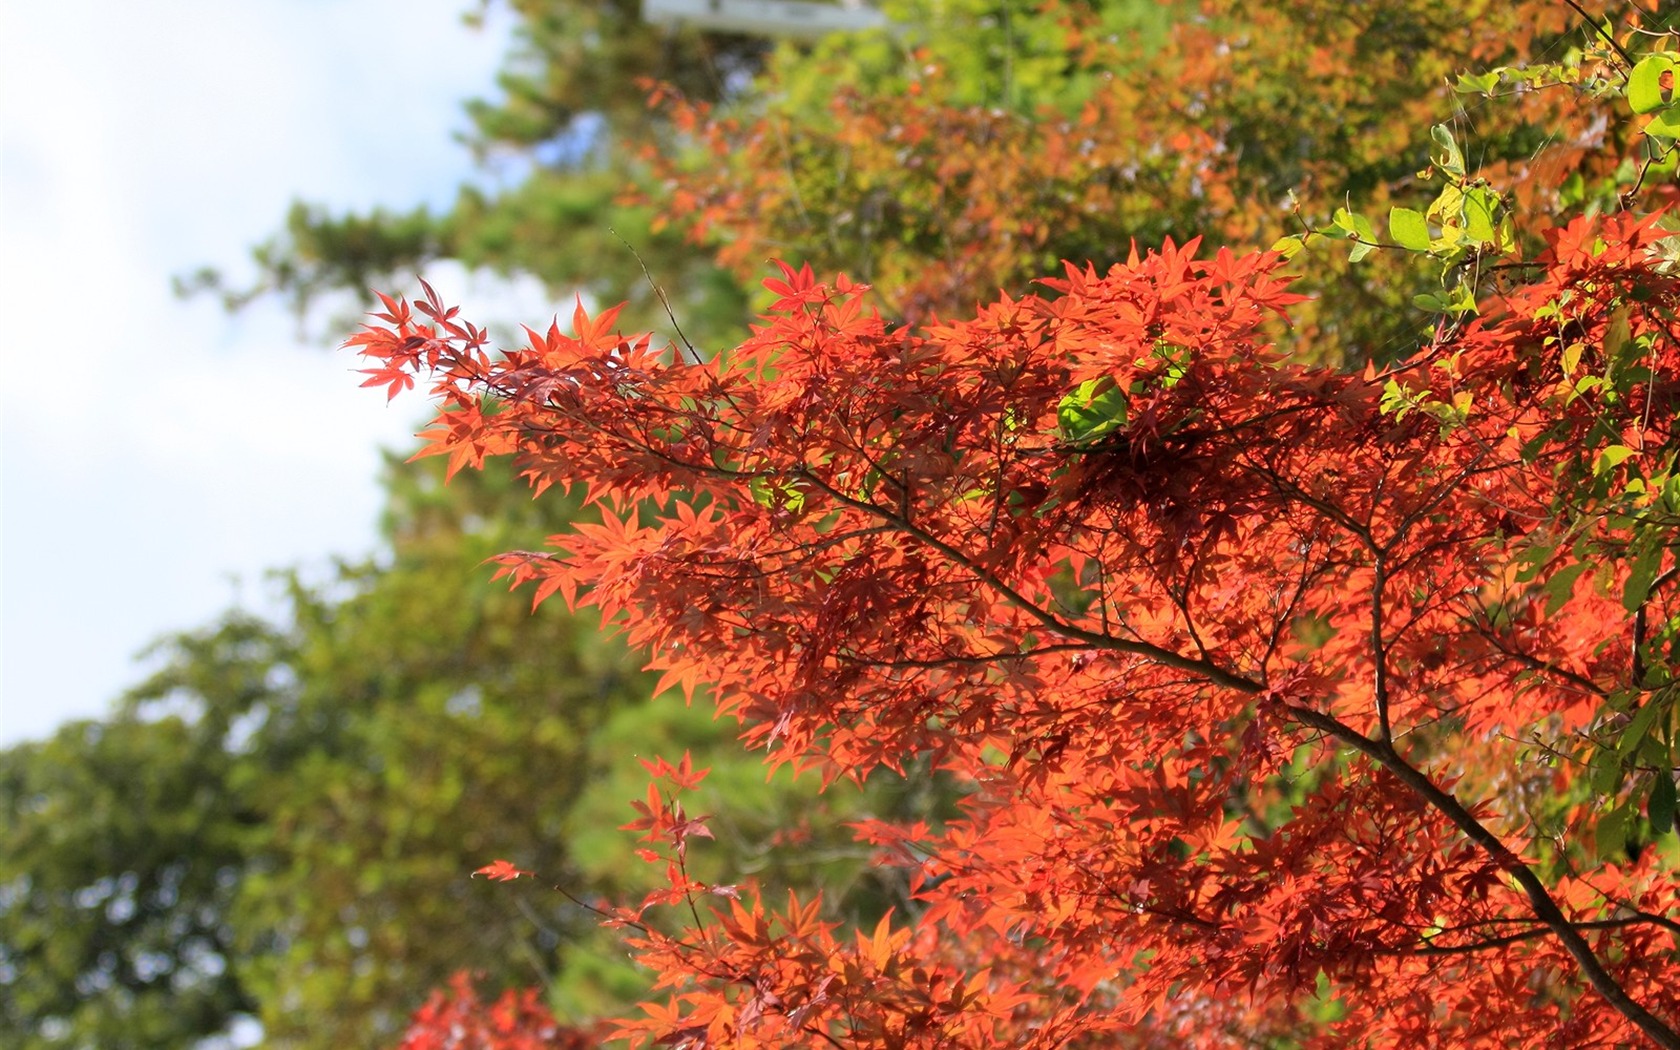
[1294, 706]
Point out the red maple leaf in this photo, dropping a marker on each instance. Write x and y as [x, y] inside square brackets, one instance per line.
[502, 871]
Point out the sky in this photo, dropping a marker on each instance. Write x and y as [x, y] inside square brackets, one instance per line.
[158, 455]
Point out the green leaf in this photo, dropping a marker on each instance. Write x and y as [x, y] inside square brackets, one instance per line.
[1447, 210]
[1463, 299]
[1660, 807]
[1609, 458]
[1644, 90]
[1641, 575]
[1604, 773]
[1476, 83]
[1290, 246]
[1560, 586]
[1395, 399]
[1611, 835]
[1481, 208]
[1409, 229]
[1353, 225]
[1360, 250]
[1444, 153]
[1665, 123]
[1097, 408]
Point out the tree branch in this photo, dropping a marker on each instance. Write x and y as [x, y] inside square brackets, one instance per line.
[1203, 668]
[1546, 909]
[1516, 938]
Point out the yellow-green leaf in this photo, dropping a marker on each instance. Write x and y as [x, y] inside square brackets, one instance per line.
[1665, 123]
[1448, 208]
[1409, 229]
[1610, 458]
[1290, 246]
[1645, 92]
[1444, 152]
[1481, 206]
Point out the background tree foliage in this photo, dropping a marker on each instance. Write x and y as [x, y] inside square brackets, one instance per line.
[122, 846]
[976, 145]
[279, 824]
[988, 142]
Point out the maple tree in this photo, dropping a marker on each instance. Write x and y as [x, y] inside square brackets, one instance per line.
[1293, 704]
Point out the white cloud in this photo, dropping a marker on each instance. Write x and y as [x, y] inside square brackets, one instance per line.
[152, 449]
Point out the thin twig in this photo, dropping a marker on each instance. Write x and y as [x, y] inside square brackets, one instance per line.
[658, 292]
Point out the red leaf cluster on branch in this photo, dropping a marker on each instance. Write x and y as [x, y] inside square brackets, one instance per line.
[1266, 697]
[457, 1019]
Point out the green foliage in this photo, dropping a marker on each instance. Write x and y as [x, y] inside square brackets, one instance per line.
[1095, 409]
[573, 60]
[1651, 90]
[122, 848]
[991, 53]
[280, 823]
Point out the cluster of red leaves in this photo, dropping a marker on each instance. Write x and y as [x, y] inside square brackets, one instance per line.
[788, 975]
[457, 1019]
[1241, 679]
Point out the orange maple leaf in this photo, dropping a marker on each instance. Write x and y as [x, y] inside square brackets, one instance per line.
[502, 871]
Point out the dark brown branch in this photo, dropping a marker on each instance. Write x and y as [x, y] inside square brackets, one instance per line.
[1545, 909]
[1603, 34]
[969, 660]
[1379, 650]
[1503, 940]
[1203, 668]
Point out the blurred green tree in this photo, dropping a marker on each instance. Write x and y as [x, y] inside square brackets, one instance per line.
[122, 848]
[281, 821]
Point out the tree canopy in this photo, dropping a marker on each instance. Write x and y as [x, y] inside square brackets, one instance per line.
[975, 145]
[1293, 704]
[987, 142]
